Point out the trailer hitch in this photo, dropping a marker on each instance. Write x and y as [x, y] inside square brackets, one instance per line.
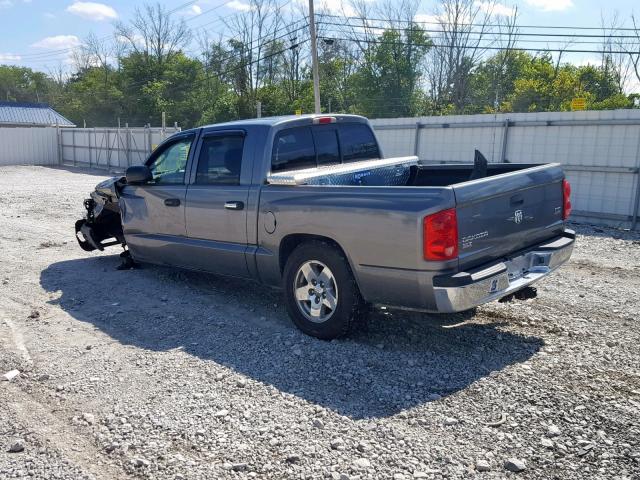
[524, 294]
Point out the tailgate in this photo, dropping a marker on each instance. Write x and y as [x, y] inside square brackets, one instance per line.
[505, 213]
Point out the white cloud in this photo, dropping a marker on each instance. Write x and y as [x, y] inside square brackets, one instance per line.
[192, 11]
[586, 61]
[551, 5]
[58, 42]
[335, 7]
[9, 57]
[49, 15]
[495, 8]
[239, 5]
[6, 3]
[426, 18]
[137, 39]
[93, 11]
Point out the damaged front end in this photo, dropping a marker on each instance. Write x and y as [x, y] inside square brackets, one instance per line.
[102, 226]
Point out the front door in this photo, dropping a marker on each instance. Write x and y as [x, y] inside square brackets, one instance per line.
[153, 214]
[216, 211]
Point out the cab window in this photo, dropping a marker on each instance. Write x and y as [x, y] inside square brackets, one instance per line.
[220, 160]
[326, 140]
[313, 146]
[293, 149]
[168, 166]
[357, 143]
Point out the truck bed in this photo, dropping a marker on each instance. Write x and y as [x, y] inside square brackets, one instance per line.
[389, 172]
[380, 226]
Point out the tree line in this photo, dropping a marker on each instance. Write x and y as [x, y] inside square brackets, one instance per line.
[377, 63]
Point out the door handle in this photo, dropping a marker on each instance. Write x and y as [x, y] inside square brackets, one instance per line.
[172, 202]
[233, 205]
[517, 200]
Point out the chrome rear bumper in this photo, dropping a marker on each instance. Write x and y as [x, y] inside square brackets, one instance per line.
[465, 290]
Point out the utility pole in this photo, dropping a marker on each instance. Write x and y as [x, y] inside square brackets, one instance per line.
[259, 109]
[314, 58]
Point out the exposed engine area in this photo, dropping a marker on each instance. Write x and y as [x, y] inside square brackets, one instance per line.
[101, 226]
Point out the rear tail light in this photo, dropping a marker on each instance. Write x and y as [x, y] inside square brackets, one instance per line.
[440, 235]
[566, 199]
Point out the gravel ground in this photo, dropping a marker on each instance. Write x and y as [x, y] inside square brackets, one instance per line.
[159, 373]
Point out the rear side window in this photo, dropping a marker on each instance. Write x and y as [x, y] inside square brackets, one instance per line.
[357, 142]
[317, 145]
[293, 149]
[326, 140]
[220, 160]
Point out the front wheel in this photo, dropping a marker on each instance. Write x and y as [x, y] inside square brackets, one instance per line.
[321, 294]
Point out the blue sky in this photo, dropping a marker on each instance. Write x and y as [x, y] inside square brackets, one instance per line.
[34, 33]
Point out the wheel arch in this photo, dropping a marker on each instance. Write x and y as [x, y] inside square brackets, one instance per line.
[290, 242]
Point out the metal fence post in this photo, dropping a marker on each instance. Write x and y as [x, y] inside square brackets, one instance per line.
[118, 142]
[59, 145]
[89, 143]
[636, 204]
[108, 141]
[73, 143]
[636, 207]
[505, 139]
[416, 141]
[127, 137]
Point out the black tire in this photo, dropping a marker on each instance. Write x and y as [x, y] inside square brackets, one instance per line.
[349, 305]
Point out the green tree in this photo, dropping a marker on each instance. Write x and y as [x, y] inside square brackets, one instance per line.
[21, 84]
[386, 84]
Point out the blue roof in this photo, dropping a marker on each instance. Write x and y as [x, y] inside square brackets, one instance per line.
[31, 114]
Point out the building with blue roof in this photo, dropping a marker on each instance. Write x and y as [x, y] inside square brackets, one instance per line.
[24, 114]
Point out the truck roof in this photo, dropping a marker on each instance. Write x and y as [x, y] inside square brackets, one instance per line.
[285, 119]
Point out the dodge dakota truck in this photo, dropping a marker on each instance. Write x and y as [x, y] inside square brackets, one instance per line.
[310, 204]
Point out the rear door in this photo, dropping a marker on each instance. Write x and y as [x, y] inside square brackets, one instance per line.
[153, 214]
[502, 214]
[216, 204]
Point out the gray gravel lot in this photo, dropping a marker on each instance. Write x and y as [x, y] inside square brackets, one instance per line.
[160, 373]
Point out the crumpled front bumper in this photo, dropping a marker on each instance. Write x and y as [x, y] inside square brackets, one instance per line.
[465, 290]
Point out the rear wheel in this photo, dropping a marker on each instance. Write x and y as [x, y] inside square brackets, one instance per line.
[321, 294]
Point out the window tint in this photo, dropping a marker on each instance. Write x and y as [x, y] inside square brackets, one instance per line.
[293, 149]
[326, 140]
[169, 165]
[357, 142]
[220, 160]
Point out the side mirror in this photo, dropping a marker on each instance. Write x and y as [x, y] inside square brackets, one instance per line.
[138, 174]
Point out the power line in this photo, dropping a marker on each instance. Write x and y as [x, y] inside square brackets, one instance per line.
[241, 66]
[66, 50]
[237, 55]
[436, 22]
[487, 33]
[475, 47]
[478, 36]
[201, 27]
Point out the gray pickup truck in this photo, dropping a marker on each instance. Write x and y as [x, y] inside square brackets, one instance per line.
[309, 204]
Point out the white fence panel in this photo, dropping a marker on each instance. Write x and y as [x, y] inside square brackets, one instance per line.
[28, 146]
[110, 148]
[599, 150]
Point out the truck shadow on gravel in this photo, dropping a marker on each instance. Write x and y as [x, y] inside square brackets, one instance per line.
[396, 361]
